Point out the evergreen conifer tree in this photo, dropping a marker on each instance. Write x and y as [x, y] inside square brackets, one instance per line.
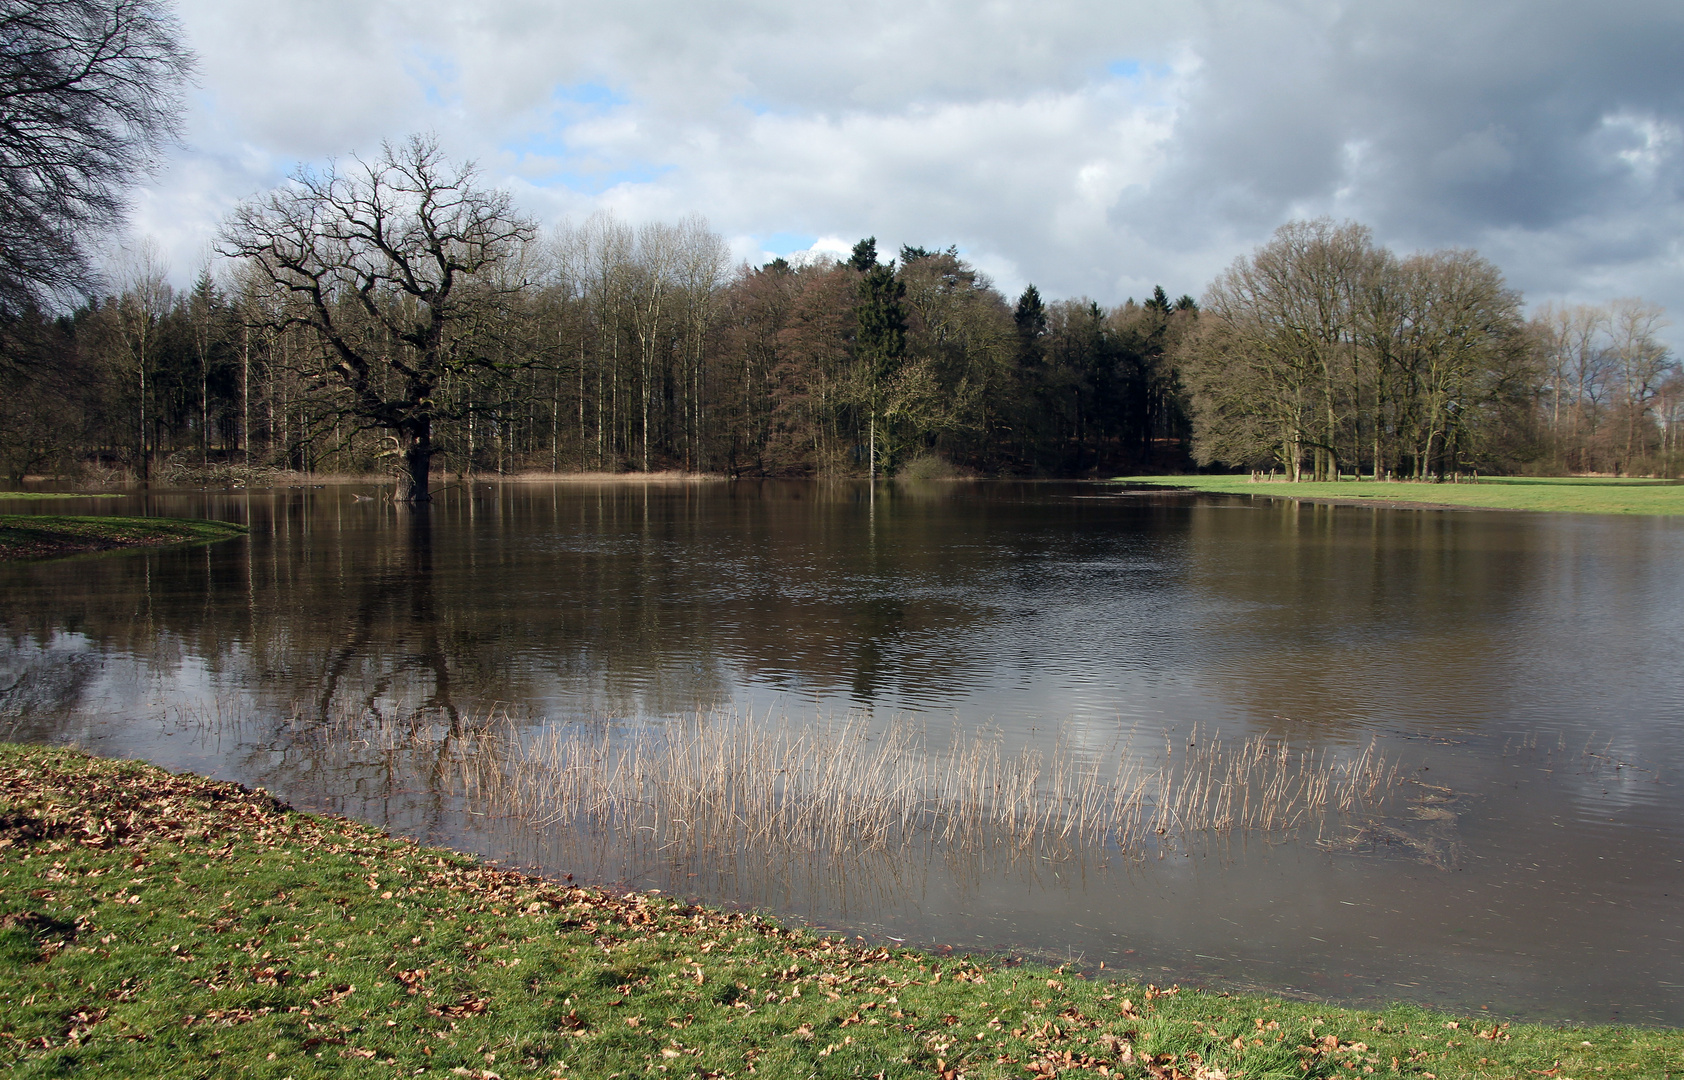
[879, 338]
[865, 255]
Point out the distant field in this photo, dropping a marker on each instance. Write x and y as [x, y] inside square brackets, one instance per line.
[1569, 494]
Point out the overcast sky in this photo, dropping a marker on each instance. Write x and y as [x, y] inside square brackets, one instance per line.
[1094, 148]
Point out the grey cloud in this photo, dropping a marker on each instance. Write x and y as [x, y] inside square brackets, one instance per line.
[1476, 116]
[1546, 134]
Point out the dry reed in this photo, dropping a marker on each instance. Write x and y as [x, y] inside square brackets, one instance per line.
[719, 782]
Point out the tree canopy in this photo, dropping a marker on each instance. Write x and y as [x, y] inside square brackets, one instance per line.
[399, 311]
[90, 94]
[393, 265]
[1322, 353]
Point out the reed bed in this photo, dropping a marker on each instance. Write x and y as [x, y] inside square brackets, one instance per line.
[724, 783]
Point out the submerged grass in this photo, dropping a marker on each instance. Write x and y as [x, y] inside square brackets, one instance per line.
[161, 925]
[1572, 494]
[718, 782]
[38, 536]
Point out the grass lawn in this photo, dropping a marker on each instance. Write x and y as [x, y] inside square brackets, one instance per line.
[55, 495]
[1579, 495]
[36, 536]
[157, 925]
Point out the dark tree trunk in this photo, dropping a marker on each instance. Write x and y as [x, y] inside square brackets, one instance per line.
[416, 446]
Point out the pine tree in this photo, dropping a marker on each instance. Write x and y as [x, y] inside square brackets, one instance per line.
[880, 338]
[865, 255]
[1031, 315]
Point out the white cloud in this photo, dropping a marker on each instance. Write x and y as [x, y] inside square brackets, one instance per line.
[1095, 148]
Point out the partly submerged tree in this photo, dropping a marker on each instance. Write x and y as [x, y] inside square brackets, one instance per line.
[399, 267]
[90, 94]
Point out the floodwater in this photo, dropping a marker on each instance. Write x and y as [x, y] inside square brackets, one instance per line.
[1523, 669]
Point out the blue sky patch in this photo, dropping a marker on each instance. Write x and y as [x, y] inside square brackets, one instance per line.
[561, 164]
[783, 243]
[436, 74]
[754, 105]
[538, 145]
[598, 97]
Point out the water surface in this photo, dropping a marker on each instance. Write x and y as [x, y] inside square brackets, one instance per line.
[1528, 663]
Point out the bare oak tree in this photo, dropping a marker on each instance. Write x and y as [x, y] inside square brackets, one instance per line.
[394, 266]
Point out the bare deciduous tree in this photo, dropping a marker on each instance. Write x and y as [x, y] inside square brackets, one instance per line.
[389, 263]
[1282, 330]
[1607, 379]
[1460, 320]
[90, 93]
[1321, 343]
[1642, 362]
[137, 312]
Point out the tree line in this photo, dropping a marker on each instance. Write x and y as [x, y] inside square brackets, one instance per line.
[380, 315]
[395, 315]
[1324, 355]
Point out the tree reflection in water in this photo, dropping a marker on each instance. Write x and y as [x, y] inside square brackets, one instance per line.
[358, 658]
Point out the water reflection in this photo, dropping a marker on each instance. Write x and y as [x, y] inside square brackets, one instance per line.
[347, 653]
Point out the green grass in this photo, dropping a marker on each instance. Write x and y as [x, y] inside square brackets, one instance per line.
[36, 536]
[1579, 495]
[56, 495]
[159, 925]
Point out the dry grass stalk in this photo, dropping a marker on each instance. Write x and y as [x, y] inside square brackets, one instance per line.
[721, 782]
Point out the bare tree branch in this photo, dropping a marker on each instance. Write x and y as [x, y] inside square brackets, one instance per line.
[90, 95]
[389, 262]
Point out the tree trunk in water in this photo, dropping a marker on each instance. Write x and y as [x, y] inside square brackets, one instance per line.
[417, 462]
[145, 460]
[245, 394]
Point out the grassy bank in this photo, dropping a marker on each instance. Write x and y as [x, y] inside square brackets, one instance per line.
[153, 924]
[54, 495]
[38, 536]
[1578, 495]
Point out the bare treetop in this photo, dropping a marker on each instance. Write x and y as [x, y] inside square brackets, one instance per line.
[409, 223]
[408, 243]
[90, 95]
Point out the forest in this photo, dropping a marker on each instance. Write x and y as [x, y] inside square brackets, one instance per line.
[400, 318]
[1323, 355]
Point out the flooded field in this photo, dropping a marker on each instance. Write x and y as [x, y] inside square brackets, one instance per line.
[1354, 753]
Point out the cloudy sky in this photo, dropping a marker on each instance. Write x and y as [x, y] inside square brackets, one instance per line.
[1094, 148]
